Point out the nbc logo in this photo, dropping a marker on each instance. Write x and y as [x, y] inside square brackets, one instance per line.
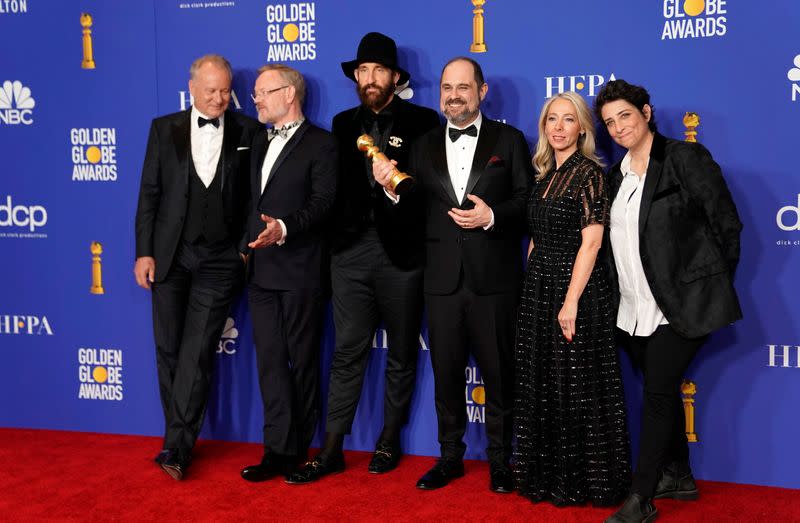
[404, 91]
[794, 77]
[100, 374]
[16, 103]
[685, 19]
[227, 342]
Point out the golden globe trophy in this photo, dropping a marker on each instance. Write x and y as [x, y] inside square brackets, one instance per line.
[689, 389]
[97, 270]
[86, 23]
[478, 43]
[400, 182]
[691, 121]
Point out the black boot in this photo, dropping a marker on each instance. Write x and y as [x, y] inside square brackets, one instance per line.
[676, 482]
[636, 509]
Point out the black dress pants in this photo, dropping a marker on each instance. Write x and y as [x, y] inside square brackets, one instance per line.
[286, 331]
[458, 324]
[368, 288]
[663, 358]
[189, 311]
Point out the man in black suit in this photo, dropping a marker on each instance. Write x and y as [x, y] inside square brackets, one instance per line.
[474, 179]
[189, 220]
[293, 185]
[376, 266]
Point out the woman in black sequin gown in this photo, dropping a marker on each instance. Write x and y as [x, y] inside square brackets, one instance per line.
[572, 438]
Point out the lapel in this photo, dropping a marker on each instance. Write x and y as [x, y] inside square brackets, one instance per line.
[285, 152]
[260, 146]
[181, 138]
[614, 181]
[651, 181]
[487, 139]
[439, 160]
[230, 139]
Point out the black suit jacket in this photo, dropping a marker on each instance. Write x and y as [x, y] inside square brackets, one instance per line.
[300, 191]
[164, 189]
[688, 237]
[501, 176]
[356, 198]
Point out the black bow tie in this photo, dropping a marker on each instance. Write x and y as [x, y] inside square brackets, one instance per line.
[455, 134]
[282, 131]
[202, 121]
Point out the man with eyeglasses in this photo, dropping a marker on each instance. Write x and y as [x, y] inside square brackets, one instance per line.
[189, 222]
[376, 267]
[293, 184]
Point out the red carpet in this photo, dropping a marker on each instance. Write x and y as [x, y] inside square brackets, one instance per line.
[97, 477]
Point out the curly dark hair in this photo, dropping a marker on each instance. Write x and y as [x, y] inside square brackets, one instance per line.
[635, 95]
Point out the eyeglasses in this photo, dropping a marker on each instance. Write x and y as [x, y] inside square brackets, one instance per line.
[263, 93]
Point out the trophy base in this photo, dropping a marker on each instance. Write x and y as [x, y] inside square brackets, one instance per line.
[87, 65]
[97, 290]
[404, 185]
[691, 438]
[477, 48]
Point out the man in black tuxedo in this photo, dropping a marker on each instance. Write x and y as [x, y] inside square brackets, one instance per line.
[474, 176]
[293, 185]
[189, 220]
[376, 266]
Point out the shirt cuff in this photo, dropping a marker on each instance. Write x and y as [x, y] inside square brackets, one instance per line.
[283, 228]
[395, 199]
[491, 222]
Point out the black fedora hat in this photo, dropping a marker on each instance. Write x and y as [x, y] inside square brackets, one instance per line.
[377, 48]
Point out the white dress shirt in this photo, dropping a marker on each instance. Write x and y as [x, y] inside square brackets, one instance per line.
[206, 146]
[276, 145]
[460, 155]
[639, 314]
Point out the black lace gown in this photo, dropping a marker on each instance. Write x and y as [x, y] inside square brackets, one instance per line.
[571, 429]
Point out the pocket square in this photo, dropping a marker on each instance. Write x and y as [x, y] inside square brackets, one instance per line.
[242, 148]
[495, 161]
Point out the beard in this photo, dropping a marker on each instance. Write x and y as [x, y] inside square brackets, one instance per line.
[375, 101]
[459, 115]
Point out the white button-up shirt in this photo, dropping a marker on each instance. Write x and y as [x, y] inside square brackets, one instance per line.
[460, 155]
[206, 146]
[639, 314]
[276, 145]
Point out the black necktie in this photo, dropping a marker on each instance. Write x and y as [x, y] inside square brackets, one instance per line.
[383, 119]
[455, 134]
[202, 121]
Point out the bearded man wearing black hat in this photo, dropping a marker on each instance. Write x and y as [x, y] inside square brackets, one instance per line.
[377, 259]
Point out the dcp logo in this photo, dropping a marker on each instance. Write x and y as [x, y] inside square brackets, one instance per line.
[791, 222]
[16, 104]
[32, 216]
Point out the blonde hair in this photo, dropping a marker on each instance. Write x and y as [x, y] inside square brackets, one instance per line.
[215, 59]
[544, 158]
[290, 76]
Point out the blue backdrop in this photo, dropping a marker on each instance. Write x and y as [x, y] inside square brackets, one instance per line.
[73, 141]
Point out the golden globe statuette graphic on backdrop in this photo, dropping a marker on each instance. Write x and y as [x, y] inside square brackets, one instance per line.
[88, 58]
[97, 270]
[400, 182]
[689, 389]
[691, 121]
[478, 41]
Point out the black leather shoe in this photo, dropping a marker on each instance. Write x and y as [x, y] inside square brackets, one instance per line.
[175, 465]
[161, 456]
[386, 457]
[500, 479]
[677, 482]
[636, 509]
[441, 474]
[316, 469]
[271, 465]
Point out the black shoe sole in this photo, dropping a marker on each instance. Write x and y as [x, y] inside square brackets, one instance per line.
[680, 495]
[288, 481]
[174, 472]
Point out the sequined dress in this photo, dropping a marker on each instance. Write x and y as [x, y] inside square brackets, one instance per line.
[571, 429]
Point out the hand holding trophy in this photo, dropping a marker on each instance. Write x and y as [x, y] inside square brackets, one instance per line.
[400, 182]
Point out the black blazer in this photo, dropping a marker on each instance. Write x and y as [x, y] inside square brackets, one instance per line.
[501, 176]
[300, 191]
[356, 198]
[164, 189]
[688, 237]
